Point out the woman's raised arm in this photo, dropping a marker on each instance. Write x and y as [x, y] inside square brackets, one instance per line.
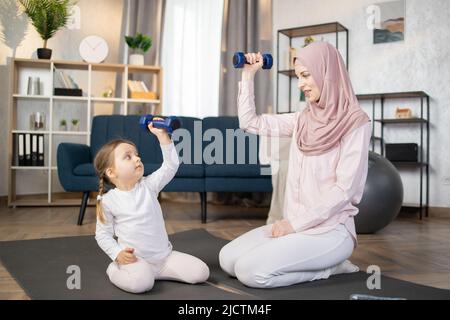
[280, 125]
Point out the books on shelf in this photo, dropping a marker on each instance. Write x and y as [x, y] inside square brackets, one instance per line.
[30, 149]
[65, 85]
[138, 90]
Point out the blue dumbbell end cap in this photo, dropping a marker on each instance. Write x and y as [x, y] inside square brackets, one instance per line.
[268, 61]
[239, 59]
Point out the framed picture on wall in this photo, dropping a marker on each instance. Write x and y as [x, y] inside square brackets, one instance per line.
[391, 24]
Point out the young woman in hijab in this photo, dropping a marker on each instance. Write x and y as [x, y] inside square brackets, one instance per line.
[327, 171]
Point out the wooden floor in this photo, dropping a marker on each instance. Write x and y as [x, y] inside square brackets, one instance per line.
[408, 249]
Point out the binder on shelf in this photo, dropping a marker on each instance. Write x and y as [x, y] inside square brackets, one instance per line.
[40, 161]
[21, 151]
[27, 149]
[34, 154]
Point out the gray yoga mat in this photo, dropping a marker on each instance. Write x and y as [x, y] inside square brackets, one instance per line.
[40, 266]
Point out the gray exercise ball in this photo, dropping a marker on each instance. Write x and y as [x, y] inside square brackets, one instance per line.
[382, 198]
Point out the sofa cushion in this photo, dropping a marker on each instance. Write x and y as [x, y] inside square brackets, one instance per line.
[184, 171]
[233, 170]
[235, 145]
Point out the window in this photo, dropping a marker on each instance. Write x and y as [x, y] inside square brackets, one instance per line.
[191, 57]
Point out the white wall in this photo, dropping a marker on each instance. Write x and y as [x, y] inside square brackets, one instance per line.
[420, 62]
[19, 38]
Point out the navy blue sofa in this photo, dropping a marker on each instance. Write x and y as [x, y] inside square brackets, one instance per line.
[77, 174]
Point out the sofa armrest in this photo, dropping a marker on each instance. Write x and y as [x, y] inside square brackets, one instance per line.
[68, 156]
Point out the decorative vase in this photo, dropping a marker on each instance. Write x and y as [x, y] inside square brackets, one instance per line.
[137, 59]
[44, 53]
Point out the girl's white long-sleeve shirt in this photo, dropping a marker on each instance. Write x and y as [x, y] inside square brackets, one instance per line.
[135, 216]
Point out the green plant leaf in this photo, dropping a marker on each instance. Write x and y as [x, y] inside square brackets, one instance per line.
[47, 16]
[139, 42]
[130, 42]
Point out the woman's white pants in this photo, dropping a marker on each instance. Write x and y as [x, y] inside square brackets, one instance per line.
[260, 261]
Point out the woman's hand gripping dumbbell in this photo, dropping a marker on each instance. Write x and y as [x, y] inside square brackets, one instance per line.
[251, 63]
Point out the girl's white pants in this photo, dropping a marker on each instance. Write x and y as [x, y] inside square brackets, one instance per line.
[140, 276]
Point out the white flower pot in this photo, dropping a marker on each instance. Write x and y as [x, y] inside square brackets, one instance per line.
[137, 59]
[75, 127]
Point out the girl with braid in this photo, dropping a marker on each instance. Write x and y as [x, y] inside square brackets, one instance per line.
[130, 210]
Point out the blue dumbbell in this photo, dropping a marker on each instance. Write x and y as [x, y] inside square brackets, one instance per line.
[169, 123]
[239, 60]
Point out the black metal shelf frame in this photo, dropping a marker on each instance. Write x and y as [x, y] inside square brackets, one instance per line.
[424, 163]
[333, 27]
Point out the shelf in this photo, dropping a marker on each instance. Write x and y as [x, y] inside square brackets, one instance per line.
[32, 63]
[313, 30]
[140, 69]
[424, 165]
[57, 106]
[143, 101]
[406, 163]
[412, 206]
[70, 98]
[110, 67]
[33, 168]
[27, 96]
[101, 99]
[289, 73]
[73, 65]
[74, 133]
[412, 120]
[30, 167]
[30, 131]
[392, 95]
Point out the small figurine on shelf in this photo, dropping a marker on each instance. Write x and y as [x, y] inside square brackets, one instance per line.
[108, 93]
[37, 121]
[308, 40]
[63, 125]
[75, 125]
[403, 113]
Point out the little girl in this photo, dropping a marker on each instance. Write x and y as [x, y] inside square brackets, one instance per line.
[142, 252]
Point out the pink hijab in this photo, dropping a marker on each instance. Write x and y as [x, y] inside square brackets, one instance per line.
[337, 112]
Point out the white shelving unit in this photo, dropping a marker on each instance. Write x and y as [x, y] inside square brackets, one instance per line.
[90, 79]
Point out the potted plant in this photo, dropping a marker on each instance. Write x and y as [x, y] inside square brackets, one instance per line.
[47, 16]
[140, 44]
[63, 125]
[75, 125]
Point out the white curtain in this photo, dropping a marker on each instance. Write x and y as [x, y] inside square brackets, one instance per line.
[191, 57]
